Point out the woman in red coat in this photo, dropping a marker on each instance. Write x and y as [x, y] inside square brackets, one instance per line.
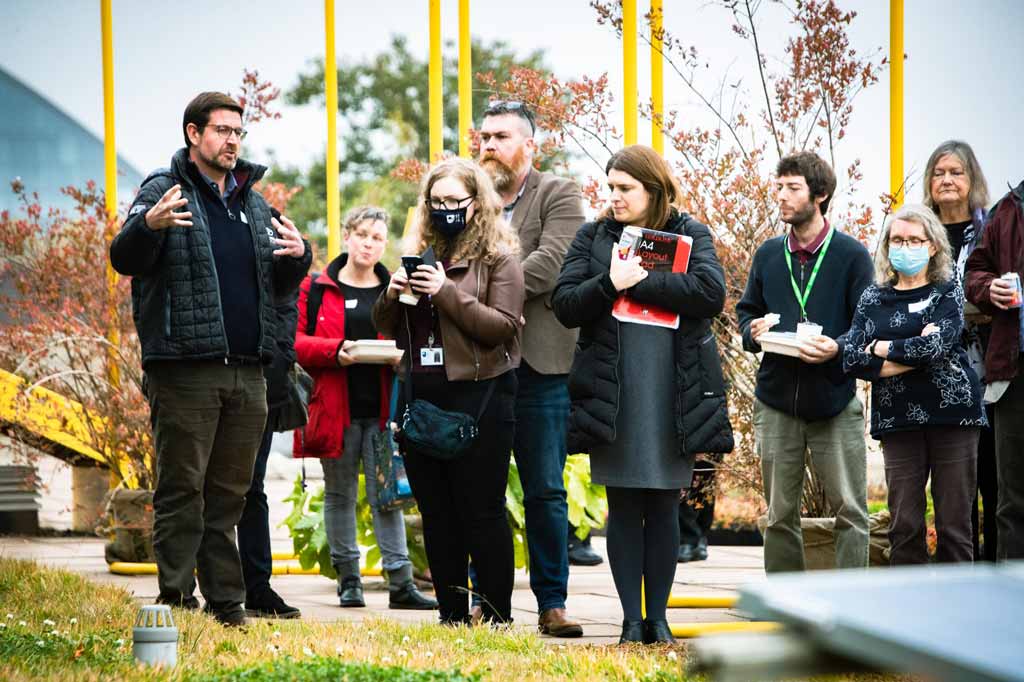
[349, 402]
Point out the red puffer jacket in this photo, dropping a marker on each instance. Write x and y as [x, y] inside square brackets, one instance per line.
[318, 354]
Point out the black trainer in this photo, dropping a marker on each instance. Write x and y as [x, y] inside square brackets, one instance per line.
[268, 604]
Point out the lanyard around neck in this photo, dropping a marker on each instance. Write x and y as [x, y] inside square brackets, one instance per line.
[802, 298]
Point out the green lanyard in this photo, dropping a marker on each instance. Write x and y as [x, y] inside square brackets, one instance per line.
[802, 299]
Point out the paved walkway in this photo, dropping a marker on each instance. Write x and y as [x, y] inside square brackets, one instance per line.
[592, 596]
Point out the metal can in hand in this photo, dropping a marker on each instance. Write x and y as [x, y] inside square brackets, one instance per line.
[1013, 279]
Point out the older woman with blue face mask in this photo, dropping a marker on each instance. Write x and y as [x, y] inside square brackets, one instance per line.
[926, 406]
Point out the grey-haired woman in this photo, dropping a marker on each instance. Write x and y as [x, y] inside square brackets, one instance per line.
[956, 190]
[926, 407]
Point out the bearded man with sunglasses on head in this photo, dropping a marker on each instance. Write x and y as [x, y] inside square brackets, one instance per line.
[207, 261]
[546, 211]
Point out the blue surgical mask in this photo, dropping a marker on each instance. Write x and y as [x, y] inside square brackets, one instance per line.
[449, 221]
[909, 260]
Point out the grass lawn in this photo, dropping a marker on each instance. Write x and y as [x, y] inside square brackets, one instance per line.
[55, 625]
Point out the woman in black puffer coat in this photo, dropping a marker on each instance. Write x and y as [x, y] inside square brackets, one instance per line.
[645, 399]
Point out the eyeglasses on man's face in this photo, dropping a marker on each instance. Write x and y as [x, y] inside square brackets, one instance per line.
[224, 132]
[449, 203]
[913, 242]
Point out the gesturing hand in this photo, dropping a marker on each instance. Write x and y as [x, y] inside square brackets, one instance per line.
[428, 279]
[290, 240]
[162, 215]
[625, 273]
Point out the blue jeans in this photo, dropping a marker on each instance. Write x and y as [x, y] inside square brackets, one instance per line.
[254, 525]
[542, 414]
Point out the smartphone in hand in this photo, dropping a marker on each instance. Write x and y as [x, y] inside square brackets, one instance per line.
[410, 263]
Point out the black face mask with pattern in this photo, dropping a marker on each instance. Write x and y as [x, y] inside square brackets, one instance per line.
[449, 222]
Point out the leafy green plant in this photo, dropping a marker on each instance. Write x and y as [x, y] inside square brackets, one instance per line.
[588, 508]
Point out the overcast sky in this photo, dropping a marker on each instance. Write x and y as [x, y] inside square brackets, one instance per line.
[962, 74]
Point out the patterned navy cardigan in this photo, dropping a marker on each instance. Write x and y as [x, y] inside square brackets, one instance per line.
[942, 389]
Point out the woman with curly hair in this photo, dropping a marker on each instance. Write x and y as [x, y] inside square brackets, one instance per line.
[926, 404]
[462, 344]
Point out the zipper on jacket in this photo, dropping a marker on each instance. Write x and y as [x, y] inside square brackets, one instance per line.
[796, 390]
[243, 206]
[618, 382]
[476, 356]
[167, 312]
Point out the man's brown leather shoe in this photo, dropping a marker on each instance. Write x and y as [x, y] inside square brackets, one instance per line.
[556, 623]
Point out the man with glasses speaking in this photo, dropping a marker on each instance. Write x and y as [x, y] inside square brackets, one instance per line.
[207, 261]
[546, 211]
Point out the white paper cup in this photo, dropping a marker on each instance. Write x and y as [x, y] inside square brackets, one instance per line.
[408, 298]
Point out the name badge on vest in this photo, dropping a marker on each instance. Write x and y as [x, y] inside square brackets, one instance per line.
[351, 303]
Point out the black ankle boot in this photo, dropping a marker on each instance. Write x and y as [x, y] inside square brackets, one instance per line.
[402, 591]
[350, 591]
[632, 632]
[657, 632]
[409, 598]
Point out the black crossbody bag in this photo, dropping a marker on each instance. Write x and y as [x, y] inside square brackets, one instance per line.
[428, 429]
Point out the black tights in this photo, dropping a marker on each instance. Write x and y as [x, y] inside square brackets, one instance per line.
[643, 545]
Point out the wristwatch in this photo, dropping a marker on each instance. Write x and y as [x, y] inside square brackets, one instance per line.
[871, 346]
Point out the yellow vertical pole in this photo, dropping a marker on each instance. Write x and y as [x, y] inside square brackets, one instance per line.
[331, 93]
[109, 142]
[434, 95]
[110, 195]
[896, 101]
[629, 99]
[657, 78]
[110, 174]
[465, 79]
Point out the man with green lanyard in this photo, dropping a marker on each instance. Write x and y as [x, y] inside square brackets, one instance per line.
[812, 275]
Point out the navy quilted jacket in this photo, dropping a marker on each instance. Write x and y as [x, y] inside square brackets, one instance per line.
[583, 298]
[176, 301]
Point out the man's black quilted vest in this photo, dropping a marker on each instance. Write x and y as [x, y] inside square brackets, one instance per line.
[176, 300]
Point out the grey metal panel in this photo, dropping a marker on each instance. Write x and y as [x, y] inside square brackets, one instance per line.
[953, 622]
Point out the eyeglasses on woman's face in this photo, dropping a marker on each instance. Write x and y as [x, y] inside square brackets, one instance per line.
[912, 242]
[449, 203]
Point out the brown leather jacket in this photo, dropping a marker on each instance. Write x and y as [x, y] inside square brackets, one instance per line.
[480, 307]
